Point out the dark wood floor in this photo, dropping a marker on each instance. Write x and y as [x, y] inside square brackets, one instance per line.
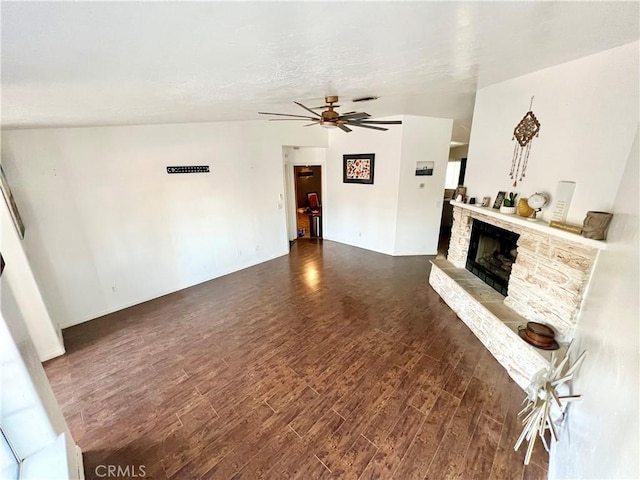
[333, 362]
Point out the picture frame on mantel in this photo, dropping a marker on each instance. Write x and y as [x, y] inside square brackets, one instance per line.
[358, 168]
[499, 199]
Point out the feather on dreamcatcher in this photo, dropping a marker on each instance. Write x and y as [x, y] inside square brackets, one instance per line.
[523, 134]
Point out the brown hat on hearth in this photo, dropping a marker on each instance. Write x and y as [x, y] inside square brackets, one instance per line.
[539, 335]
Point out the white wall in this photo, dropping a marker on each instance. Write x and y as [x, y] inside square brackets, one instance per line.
[45, 334]
[30, 413]
[109, 228]
[394, 215]
[420, 207]
[600, 437]
[306, 155]
[359, 214]
[588, 110]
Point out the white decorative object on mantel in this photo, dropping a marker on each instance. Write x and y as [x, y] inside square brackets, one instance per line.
[508, 210]
[564, 194]
[537, 201]
[546, 402]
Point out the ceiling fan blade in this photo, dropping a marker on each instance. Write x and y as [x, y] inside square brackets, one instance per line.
[312, 123]
[367, 126]
[324, 106]
[285, 115]
[307, 109]
[355, 116]
[289, 119]
[380, 122]
[344, 128]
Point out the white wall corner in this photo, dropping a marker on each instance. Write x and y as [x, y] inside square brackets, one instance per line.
[420, 198]
[606, 420]
[19, 285]
[94, 252]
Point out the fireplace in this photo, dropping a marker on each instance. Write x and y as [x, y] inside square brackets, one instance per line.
[492, 252]
[546, 284]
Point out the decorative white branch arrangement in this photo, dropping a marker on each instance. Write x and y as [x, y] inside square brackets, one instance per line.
[546, 403]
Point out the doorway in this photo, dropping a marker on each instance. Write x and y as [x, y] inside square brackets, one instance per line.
[305, 189]
[308, 193]
[456, 170]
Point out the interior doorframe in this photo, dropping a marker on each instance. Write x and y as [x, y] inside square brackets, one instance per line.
[290, 161]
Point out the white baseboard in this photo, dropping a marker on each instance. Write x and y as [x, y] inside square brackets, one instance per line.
[107, 311]
[79, 463]
[347, 242]
[56, 352]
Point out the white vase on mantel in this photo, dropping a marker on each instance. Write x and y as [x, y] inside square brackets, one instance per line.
[508, 210]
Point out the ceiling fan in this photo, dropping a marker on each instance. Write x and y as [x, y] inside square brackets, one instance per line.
[329, 118]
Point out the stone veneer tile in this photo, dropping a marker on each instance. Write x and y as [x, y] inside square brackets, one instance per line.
[548, 278]
[460, 235]
[485, 319]
[504, 313]
[483, 295]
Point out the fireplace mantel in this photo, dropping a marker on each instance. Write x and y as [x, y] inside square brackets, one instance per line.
[537, 225]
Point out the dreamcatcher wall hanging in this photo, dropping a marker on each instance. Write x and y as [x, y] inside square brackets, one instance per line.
[523, 134]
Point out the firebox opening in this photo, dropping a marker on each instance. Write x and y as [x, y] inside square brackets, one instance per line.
[492, 252]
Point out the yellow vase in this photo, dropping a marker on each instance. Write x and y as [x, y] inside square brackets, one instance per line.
[524, 210]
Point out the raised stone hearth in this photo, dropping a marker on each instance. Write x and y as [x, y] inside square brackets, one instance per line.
[547, 283]
[483, 310]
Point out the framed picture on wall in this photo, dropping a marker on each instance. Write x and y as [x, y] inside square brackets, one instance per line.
[358, 168]
[424, 168]
[11, 204]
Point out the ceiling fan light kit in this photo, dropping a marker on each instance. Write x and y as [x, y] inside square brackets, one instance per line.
[329, 118]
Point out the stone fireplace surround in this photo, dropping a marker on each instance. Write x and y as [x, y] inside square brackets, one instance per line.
[547, 283]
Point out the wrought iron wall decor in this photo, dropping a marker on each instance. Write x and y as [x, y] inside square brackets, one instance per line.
[523, 134]
[189, 169]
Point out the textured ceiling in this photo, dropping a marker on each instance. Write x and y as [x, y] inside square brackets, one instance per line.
[117, 63]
